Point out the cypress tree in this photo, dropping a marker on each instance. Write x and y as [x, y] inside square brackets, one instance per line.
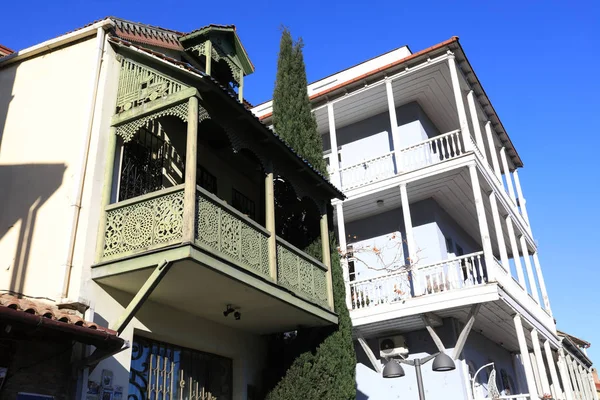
[324, 361]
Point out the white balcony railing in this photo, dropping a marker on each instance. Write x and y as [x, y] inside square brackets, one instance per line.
[431, 151]
[455, 274]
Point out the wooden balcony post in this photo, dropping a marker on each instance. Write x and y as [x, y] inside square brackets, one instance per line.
[109, 173]
[270, 221]
[509, 183]
[393, 122]
[525, 358]
[529, 269]
[540, 276]
[208, 56]
[460, 105]
[475, 122]
[483, 225]
[499, 232]
[515, 252]
[191, 159]
[521, 198]
[564, 376]
[334, 161]
[537, 351]
[326, 254]
[341, 227]
[493, 152]
[555, 385]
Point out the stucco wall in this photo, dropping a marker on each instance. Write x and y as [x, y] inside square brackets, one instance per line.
[44, 102]
[167, 324]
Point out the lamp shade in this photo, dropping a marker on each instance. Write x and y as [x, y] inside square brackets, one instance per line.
[442, 362]
[393, 369]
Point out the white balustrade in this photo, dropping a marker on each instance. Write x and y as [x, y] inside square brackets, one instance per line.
[431, 151]
[368, 171]
[456, 273]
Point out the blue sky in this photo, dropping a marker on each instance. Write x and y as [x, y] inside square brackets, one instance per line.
[538, 62]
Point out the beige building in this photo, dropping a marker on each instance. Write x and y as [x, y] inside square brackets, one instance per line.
[141, 201]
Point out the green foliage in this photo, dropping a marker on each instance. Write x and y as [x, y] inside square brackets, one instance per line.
[328, 371]
[292, 118]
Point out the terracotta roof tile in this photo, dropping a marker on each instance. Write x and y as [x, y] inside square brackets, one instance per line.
[4, 51]
[147, 34]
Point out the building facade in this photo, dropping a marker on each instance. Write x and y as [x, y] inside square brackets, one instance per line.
[139, 192]
[438, 250]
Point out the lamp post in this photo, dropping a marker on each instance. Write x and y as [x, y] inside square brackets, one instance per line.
[441, 363]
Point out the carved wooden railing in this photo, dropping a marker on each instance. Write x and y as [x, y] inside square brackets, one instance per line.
[457, 273]
[144, 223]
[301, 273]
[431, 151]
[223, 230]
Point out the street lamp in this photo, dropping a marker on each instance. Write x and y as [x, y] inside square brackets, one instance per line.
[441, 363]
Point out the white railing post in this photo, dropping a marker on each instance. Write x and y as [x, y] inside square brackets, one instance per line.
[530, 277]
[515, 252]
[525, 359]
[499, 232]
[483, 225]
[521, 198]
[537, 350]
[341, 227]
[410, 239]
[475, 123]
[555, 386]
[573, 376]
[493, 152]
[507, 175]
[336, 175]
[460, 105]
[393, 122]
[565, 376]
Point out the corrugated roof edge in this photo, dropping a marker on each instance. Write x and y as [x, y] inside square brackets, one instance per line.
[201, 74]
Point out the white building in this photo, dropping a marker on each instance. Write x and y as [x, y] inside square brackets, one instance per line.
[440, 252]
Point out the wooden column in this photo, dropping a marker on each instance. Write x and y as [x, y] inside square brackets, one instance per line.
[525, 357]
[564, 376]
[326, 254]
[509, 184]
[336, 176]
[584, 382]
[460, 105]
[521, 198]
[241, 88]
[493, 152]
[341, 227]
[515, 252]
[411, 257]
[270, 220]
[530, 277]
[573, 375]
[109, 172]
[555, 386]
[393, 122]
[499, 232]
[208, 55]
[483, 225]
[191, 160]
[537, 350]
[475, 123]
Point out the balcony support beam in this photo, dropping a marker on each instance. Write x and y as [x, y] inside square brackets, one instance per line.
[555, 385]
[460, 105]
[493, 152]
[370, 355]
[109, 173]
[525, 359]
[499, 232]
[521, 198]
[530, 277]
[270, 220]
[515, 252]
[434, 336]
[341, 227]
[334, 160]
[326, 254]
[475, 123]
[191, 159]
[393, 122]
[564, 375]
[464, 334]
[537, 351]
[483, 225]
[509, 183]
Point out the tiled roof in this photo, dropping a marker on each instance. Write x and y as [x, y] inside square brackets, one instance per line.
[5, 51]
[211, 26]
[190, 68]
[147, 34]
[48, 310]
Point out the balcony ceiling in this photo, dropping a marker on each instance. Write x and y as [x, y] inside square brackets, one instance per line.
[430, 87]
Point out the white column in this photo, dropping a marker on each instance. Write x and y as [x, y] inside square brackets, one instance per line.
[410, 239]
[522, 200]
[509, 184]
[499, 232]
[538, 271]
[341, 227]
[483, 225]
[493, 152]
[393, 119]
[584, 382]
[475, 123]
[460, 106]
[530, 277]
[191, 160]
[336, 176]
[573, 375]
[515, 252]
[525, 358]
[564, 375]
[592, 386]
[555, 385]
[537, 350]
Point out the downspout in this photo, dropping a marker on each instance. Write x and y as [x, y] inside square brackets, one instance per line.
[82, 166]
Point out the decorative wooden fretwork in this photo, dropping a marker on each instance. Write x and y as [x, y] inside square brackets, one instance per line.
[155, 219]
[223, 231]
[300, 275]
[139, 84]
[218, 54]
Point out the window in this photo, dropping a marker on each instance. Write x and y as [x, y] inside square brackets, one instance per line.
[243, 204]
[207, 180]
[154, 359]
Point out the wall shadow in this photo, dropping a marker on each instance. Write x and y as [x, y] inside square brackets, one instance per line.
[24, 188]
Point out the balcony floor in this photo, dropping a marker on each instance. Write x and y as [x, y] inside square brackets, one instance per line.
[203, 285]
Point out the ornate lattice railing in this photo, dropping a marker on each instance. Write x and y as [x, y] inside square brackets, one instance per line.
[143, 223]
[301, 273]
[225, 231]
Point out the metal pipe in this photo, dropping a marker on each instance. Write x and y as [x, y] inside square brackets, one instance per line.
[419, 379]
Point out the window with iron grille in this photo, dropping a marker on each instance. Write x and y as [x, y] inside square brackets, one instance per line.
[243, 204]
[168, 372]
[207, 180]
